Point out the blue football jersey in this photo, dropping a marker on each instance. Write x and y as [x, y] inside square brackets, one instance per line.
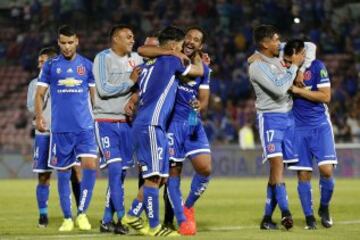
[157, 90]
[69, 83]
[186, 93]
[310, 113]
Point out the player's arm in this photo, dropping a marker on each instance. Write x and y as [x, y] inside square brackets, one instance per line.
[130, 107]
[204, 91]
[40, 122]
[197, 67]
[154, 51]
[92, 91]
[30, 98]
[322, 95]
[274, 84]
[310, 55]
[103, 79]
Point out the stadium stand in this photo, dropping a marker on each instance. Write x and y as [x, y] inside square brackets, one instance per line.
[331, 24]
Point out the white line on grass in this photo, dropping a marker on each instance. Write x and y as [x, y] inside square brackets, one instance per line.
[96, 235]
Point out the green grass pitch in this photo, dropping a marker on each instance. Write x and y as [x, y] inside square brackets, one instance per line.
[231, 208]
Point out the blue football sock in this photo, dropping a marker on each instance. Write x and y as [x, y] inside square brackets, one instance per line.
[175, 197]
[42, 197]
[116, 191]
[109, 211]
[271, 202]
[326, 190]
[87, 186]
[151, 202]
[198, 186]
[123, 176]
[75, 189]
[136, 208]
[64, 192]
[304, 191]
[281, 197]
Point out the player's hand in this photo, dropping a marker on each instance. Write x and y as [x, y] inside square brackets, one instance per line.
[298, 58]
[195, 104]
[295, 90]
[184, 59]
[135, 74]
[40, 123]
[206, 58]
[254, 57]
[299, 80]
[130, 108]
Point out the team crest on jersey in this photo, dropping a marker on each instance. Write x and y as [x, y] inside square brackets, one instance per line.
[271, 147]
[307, 75]
[132, 63]
[58, 70]
[80, 70]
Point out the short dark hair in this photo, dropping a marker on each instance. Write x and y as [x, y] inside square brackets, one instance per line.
[116, 28]
[293, 46]
[49, 51]
[66, 30]
[153, 34]
[264, 31]
[204, 34]
[171, 33]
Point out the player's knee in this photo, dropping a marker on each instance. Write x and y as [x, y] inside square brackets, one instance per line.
[202, 164]
[175, 169]
[304, 176]
[88, 163]
[44, 178]
[152, 181]
[326, 171]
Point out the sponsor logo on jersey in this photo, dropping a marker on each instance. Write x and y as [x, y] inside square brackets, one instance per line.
[80, 70]
[69, 82]
[150, 61]
[323, 73]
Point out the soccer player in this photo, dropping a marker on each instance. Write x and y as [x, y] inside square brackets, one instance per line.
[70, 79]
[271, 82]
[158, 86]
[187, 138]
[314, 136]
[114, 80]
[41, 148]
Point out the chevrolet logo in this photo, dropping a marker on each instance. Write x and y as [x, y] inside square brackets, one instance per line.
[69, 82]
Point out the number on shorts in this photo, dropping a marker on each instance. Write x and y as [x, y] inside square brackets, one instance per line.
[160, 153]
[105, 141]
[270, 135]
[170, 137]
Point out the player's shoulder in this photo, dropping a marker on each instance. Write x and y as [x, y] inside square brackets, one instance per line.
[105, 52]
[317, 64]
[84, 60]
[169, 58]
[53, 60]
